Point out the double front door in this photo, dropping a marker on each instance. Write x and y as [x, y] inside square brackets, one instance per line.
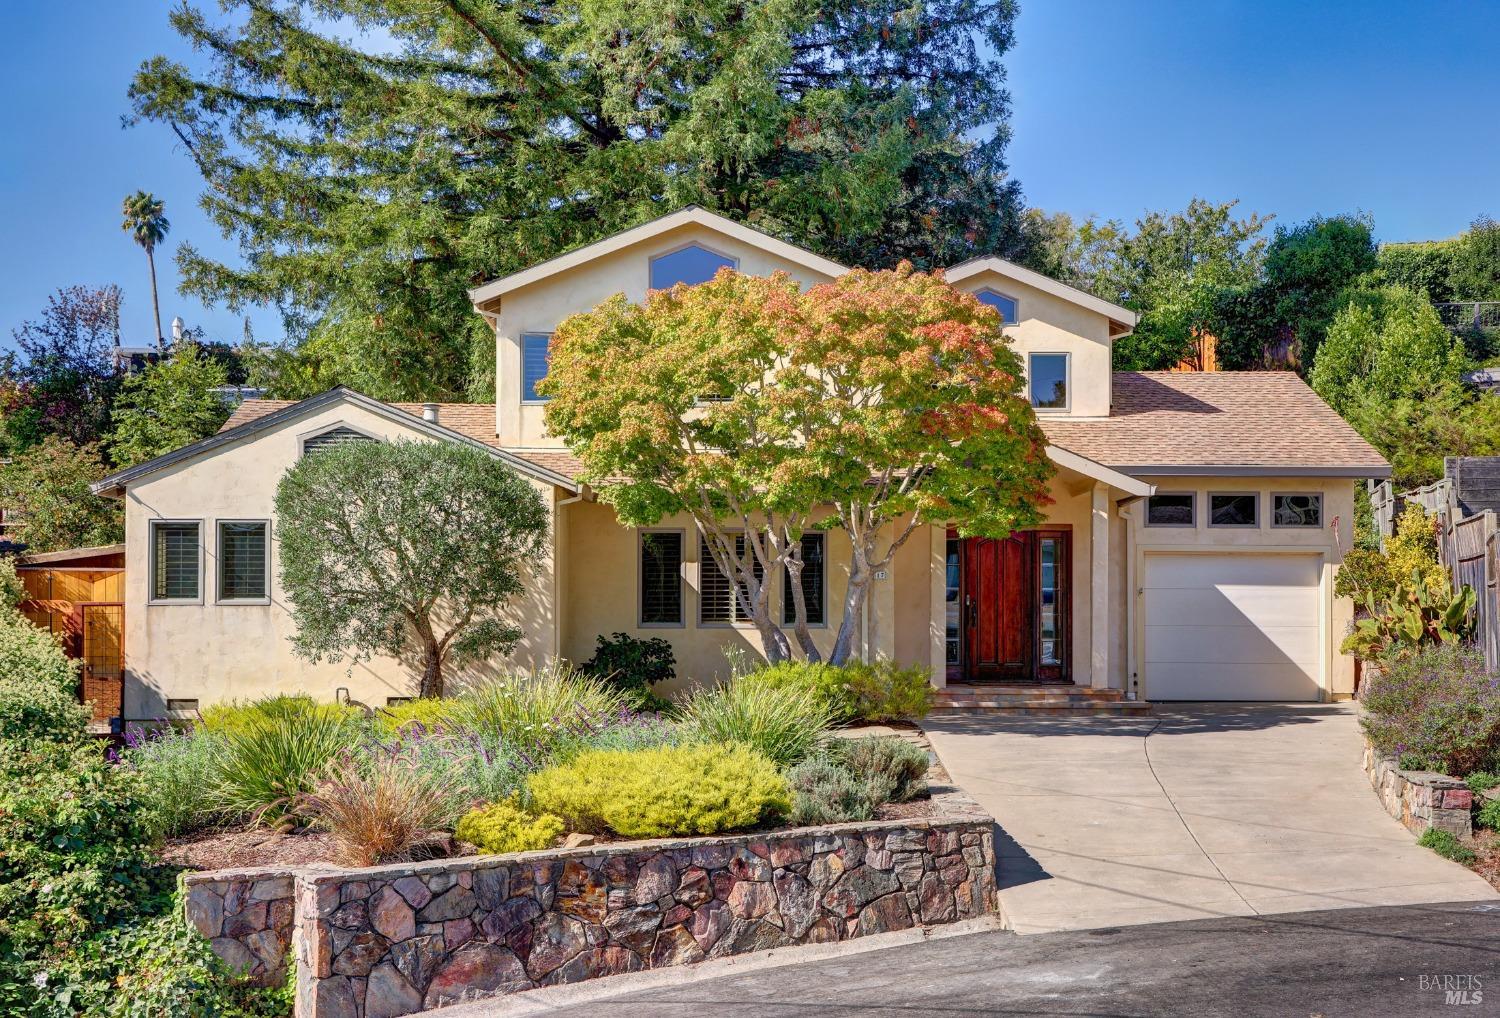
[1015, 600]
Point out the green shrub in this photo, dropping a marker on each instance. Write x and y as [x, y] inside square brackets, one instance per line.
[34, 655]
[275, 750]
[633, 666]
[32, 710]
[893, 769]
[1447, 845]
[236, 715]
[670, 791]
[884, 691]
[1488, 814]
[179, 771]
[429, 712]
[786, 724]
[1482, 781]
[825, 792]
[1438, 704]
[545, 714]
[827, 683]
[505, 827]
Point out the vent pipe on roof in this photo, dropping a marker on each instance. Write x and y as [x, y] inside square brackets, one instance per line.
[430, 413]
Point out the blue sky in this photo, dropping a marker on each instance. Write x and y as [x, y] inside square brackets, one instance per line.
[1120, 106]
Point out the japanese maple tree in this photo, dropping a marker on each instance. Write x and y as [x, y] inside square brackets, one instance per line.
[873, 405]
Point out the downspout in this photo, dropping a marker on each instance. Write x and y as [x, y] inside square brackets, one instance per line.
[1126, 509]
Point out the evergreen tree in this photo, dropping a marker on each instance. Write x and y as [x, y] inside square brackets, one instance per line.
[168, 405]
[372, 182]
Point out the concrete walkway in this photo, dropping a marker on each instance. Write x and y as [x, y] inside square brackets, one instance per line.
[1200, 811]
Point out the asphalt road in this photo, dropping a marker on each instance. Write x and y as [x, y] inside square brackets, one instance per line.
[1368, 962]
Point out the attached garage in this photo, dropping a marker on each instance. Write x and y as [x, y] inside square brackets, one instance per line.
[1232, 626]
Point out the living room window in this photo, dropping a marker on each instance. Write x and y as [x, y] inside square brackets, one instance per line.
[692, 265]
[176, 561]
[1047, 375]
[1289, 509]
[661, 577]
[717, 601]
[813, 583]
[1234, 509]
[1171, 509]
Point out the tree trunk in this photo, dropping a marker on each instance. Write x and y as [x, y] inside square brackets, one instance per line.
[432, 669]
[155, 303]
[799, 609]
[854, 600]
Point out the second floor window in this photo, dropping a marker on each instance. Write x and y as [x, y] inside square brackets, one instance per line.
[1048, 378]
[534, 358]
[1009, 307]
[691, 265]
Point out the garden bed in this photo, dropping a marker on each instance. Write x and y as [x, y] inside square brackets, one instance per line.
[395, 939]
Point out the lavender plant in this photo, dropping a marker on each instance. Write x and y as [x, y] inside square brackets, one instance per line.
[1437, 705]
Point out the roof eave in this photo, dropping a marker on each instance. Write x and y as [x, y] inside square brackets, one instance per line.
[1353, 470]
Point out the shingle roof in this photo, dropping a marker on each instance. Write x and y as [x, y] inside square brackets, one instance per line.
[1265, 420]
[1160, 422]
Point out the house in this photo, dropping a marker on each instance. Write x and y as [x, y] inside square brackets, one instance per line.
[1189, 552]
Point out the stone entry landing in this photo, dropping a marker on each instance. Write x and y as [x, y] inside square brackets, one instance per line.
[1037, 698]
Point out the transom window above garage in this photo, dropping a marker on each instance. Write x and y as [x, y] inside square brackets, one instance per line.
[1234, 509]
[1171, 509]
[1296, 510]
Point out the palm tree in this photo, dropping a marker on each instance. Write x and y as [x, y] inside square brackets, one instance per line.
[145, 221]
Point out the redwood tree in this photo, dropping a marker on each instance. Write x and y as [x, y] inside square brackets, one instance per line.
[889, 397]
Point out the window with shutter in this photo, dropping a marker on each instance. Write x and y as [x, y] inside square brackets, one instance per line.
[174, 561]
[535, 354]
[717, 603]
[661, 578]
[813, 583]
[243, 557]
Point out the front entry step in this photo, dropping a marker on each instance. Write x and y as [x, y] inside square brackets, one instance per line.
[1039, 698]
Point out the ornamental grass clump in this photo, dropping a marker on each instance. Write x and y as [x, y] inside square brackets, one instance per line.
[275, 751]
[670, 791]
[786, 723]
[1438, 706]
[828, 683]
[377, 807]
[544, 714]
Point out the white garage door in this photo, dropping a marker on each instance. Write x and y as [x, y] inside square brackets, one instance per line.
[1231, 627]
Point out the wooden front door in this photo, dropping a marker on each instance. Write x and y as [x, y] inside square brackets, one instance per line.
[1016, 607]
[998, 601]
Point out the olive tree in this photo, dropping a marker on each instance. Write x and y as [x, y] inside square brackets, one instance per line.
[408, 548]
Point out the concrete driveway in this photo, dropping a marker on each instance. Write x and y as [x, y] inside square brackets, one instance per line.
[1199, 811]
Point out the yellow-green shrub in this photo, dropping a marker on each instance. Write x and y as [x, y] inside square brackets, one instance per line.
[242, 715]
[671, 791]
[429, 711]
[506, 827]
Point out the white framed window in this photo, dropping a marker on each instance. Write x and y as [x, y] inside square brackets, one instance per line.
[691, 264]
[1172, 509]
[1297, 509]
[814, 582]
[536, 355]
[244, 561]
[1047, 380]
[660, 589]
[718, 603]
[176, 562]
[1009, 307]
[1239, 509]
[338, 434]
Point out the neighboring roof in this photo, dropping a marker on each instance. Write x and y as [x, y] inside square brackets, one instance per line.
[42, 558]
[1219, 422]
[471, 423]
[692, 214]
[1123, 317]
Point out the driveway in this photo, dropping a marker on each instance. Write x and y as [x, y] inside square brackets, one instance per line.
[1204, 810]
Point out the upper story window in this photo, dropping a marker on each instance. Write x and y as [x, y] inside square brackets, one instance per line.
[1048, 377]
[692, 265]
[1009, 307]
[535, 356]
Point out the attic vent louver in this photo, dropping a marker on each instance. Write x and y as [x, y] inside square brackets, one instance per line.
[333, 437]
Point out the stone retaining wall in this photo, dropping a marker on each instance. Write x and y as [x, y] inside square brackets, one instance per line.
[247, 915]
[392, 940]
[1420, 799]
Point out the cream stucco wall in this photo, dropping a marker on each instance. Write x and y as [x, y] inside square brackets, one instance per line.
[1048, 324]
[541, 306]
[212, 652]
